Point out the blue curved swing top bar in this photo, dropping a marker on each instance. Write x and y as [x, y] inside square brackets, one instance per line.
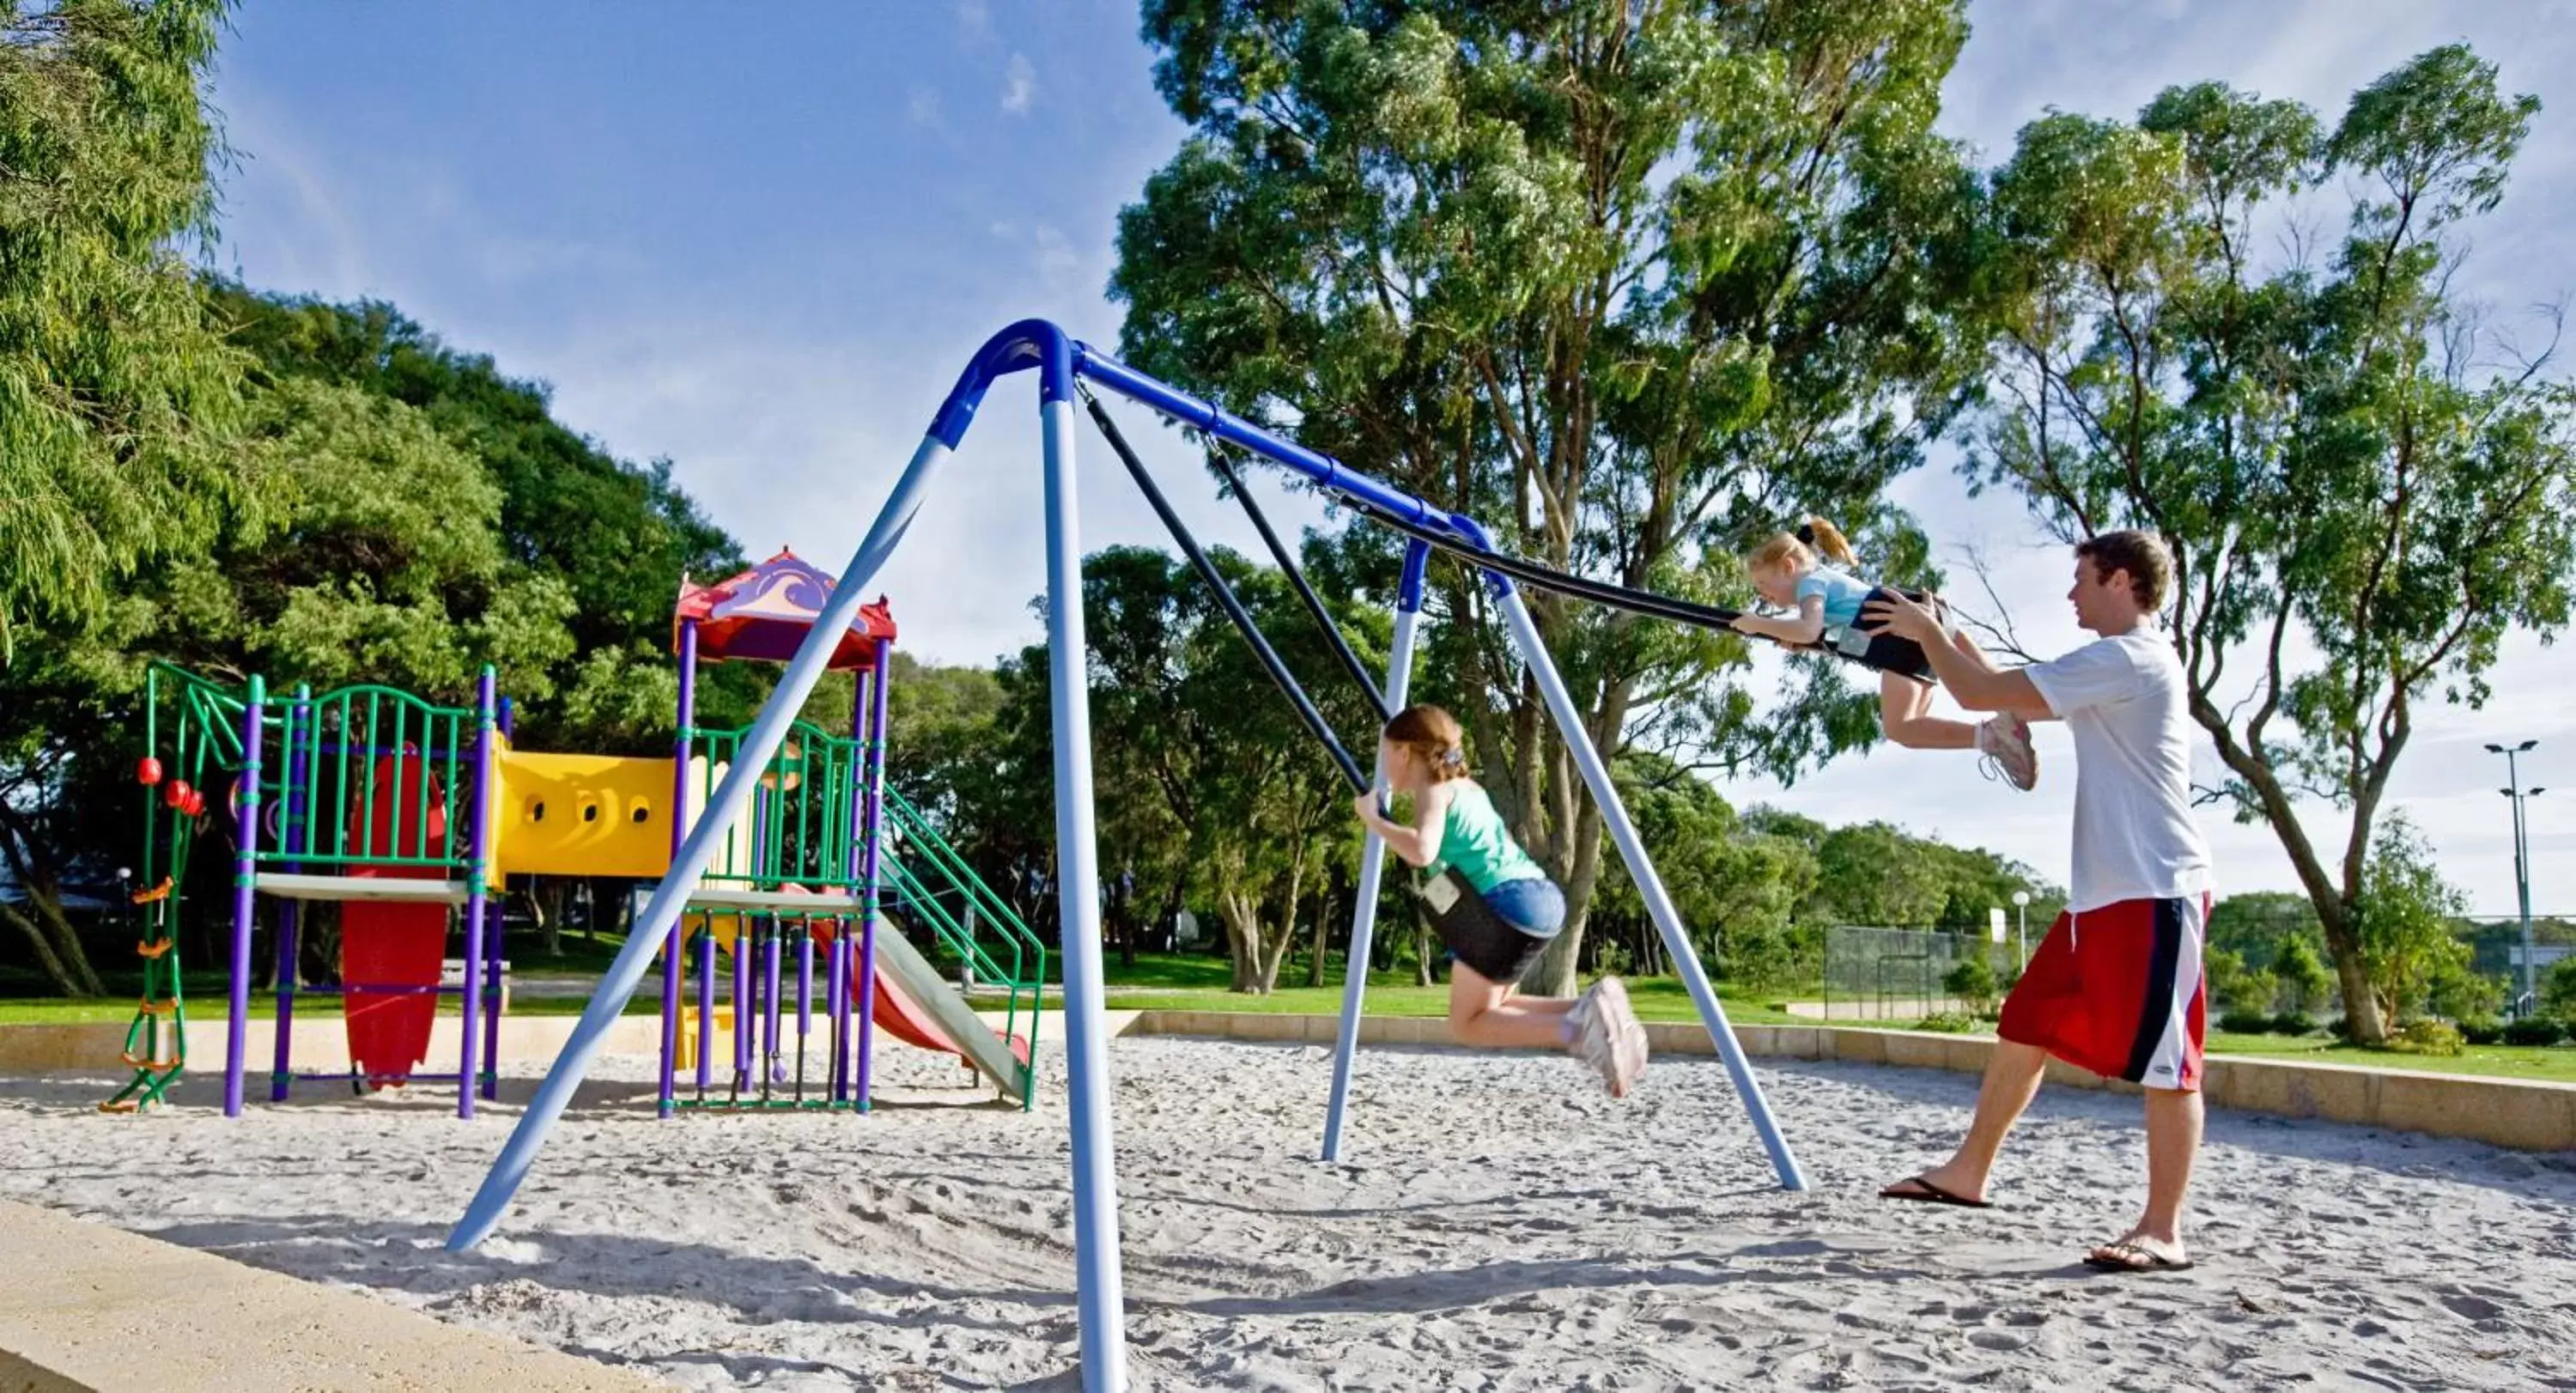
[1060, 359]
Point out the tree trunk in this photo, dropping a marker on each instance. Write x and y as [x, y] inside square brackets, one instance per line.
[1323, 943]
[60, 954]
[1274, 953]
[1242, 918]
[545, 906]
[2362, 1019]
[47, 961]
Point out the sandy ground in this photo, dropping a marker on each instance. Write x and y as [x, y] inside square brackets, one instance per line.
[1498, 1225]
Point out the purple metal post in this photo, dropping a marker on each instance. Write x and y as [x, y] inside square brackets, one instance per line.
[769, 998]
[873, 751]
[742, 1016]
[478, 871]
[707, 1004]
[674, 961]
[492, 1007]
[290, 921]
[844, 952]
[245, 894]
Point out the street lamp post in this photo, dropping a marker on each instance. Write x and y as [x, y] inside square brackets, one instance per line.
[2021, 925]
[2521, 864]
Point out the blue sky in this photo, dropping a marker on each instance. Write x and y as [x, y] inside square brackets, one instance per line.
[761, 241]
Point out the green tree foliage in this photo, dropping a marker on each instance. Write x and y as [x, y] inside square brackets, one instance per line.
[2304, 981]
[2406, 924]
[115, 395]
[614, 537]
[1972, 981]
[1736, 888]
[2366, 490]
[1634, 283]
[364, 533]
[2558, 991]
[1204, 779]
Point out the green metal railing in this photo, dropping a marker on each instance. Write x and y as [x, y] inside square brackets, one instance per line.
[803, 832]
[341, 751]
[1020, 965]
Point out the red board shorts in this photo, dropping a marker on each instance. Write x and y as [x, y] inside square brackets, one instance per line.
[2117, 991]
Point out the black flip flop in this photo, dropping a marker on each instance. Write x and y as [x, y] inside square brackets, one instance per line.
[2153, 1261]
[1930, 1193]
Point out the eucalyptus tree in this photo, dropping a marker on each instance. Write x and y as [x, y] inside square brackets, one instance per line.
[1636, 281]
[2366, 486]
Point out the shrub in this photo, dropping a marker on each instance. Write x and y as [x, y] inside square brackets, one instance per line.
[2294, 1022]
[2303, 978]
[2482, 1030]
[2424, 1035]
[1948, 1023]
[2534, 1030]
[1972, 981]
[2243, 1022]
[2558, 990]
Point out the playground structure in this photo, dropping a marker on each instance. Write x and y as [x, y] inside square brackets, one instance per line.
[1066, 368]
[403, 813]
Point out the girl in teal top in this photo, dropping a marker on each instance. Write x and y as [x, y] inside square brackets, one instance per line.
[1455, 834]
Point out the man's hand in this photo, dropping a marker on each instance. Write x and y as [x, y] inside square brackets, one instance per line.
[1892, 613]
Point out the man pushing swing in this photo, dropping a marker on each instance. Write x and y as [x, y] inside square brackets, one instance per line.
[2116, 986]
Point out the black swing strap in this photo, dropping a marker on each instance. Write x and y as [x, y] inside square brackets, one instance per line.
[1226, 598]
[1297, 578]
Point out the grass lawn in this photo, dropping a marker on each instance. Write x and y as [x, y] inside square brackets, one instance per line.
[2548, 1064]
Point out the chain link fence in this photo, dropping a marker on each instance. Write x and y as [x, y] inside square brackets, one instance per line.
[1899, 974]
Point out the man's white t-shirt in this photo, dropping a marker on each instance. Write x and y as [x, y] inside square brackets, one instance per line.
[2135, 839]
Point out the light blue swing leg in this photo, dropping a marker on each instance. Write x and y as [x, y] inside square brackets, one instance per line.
[1650, 887]
[561, 1081]
[1399, 677]
[1086, 1035]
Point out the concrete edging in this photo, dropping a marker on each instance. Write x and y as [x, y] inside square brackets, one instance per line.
[96, 1308]
[2524, 1115]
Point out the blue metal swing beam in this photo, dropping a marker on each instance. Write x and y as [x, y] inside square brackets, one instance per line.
[1059, 361]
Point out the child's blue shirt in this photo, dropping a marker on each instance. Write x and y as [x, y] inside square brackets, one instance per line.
[1842, 594]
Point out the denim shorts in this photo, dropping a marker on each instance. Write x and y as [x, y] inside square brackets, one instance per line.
[1535, 907]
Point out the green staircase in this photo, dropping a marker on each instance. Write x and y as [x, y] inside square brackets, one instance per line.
[1002, 962]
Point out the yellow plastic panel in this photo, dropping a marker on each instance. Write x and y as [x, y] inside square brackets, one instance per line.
[584, 815]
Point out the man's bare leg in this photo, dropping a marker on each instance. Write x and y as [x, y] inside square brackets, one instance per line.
[2174, 1120]
[2012, 1080]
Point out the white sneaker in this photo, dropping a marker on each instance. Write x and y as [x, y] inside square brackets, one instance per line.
[2004, 741]
[1627, 1039]
[1594, 1039]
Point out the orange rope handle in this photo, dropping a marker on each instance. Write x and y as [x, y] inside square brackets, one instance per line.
[148, 1065]
[157, 1008]
[154, 895]
[155, 952]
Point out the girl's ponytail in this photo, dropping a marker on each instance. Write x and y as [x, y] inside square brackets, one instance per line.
[1827, 541]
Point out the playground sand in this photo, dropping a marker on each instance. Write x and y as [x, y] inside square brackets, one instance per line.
[1497, 1225]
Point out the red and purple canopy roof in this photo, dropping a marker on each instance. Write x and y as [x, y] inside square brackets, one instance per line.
[764, 614]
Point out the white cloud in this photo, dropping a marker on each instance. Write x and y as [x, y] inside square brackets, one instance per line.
[976, 17]
[922, 108]
[1019, 86]
[1057, 260]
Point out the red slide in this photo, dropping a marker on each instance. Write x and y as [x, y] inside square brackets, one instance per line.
[394, 944]
[899, 1016]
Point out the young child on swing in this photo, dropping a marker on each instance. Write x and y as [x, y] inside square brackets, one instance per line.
[1455, 828]
[1791, 570]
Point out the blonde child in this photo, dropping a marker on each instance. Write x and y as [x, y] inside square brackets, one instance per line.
[1456, 836]
[1809, 573]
